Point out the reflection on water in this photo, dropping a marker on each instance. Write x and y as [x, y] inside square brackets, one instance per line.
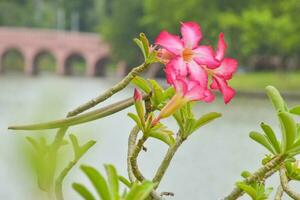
[206, 166]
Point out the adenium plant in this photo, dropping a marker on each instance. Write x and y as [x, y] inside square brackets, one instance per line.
[193, 72]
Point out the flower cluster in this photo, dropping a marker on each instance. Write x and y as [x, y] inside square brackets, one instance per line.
[190, 66]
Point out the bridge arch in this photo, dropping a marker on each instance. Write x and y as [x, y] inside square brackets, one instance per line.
[12, 58]
[44, 60]
[75, 64]
[100, 67]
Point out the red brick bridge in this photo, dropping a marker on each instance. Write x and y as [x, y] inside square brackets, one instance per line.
[62, 45]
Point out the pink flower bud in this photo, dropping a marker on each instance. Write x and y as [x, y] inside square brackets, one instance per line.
[137, 95]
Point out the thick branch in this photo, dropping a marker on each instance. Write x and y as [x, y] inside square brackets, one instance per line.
[166, 161]
[284, 183]
[279, 193]
[258, 175]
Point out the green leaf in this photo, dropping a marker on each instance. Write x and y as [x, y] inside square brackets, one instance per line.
[141, 46]
[261, 139]
[98, 182]
[245, 174]
[113, 180]
[142, 84]
[295, 110]
[163, 136]
[80, 150]
[189, 126]
[140, 192]
[125, 181]
[248, 189]
[271, 137]
[288, 129]
[136, 119]
[145, 43]
[83, 191]
[169, 92]
[276, 99]
[205, 119]
[158, 92]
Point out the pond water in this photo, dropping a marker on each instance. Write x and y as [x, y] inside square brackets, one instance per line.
[205, 167]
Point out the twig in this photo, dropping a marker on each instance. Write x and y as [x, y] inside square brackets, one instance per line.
[284, 183]
[166, 161]
[258, 175]
[279, 193]
[133, 159]
[79, 119]
[108, 93]
[131, 144]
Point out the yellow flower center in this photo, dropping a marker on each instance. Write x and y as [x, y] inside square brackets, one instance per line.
[187, 54]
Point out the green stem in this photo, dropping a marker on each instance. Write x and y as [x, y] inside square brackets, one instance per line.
[131, 144]
[279, 193]
[285, 186]
[60, 178]
[258, 175]
[166, 161]
[108, 93]
[79, 119]
[133, 159]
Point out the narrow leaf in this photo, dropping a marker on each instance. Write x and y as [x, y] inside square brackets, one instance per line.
[248, 189]
[98, 182]
[83, 191]
[141, 46]
[140, 192]
[142, 84]
[164, 137]
[113, 180]
[205, 119]
[288, 129]
[276, 99]
[136, 119]
[271, 136]
[261, 139]
[295, 110]
[125, 181]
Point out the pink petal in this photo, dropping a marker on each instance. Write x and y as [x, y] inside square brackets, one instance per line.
[179, 66]
[180, 85]
[170, 42]
[227, 68]
[164, 55]
[209, 96]
[197, 73]
[196, 92]
[170, 73]
[221, 84]
[204, 55]
[222, 46]
[191, 34]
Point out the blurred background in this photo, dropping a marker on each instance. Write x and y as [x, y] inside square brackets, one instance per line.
[57, 54]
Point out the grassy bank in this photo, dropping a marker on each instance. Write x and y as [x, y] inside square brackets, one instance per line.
[258, 81]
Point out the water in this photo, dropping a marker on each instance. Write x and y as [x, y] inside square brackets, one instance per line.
[205, 167]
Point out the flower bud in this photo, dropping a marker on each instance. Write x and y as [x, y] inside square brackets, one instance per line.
[171, 107]
[137, 95]
[139, 105]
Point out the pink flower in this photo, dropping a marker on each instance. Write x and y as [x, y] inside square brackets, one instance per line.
[223, 72]
[186, 91]
[185, 52]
